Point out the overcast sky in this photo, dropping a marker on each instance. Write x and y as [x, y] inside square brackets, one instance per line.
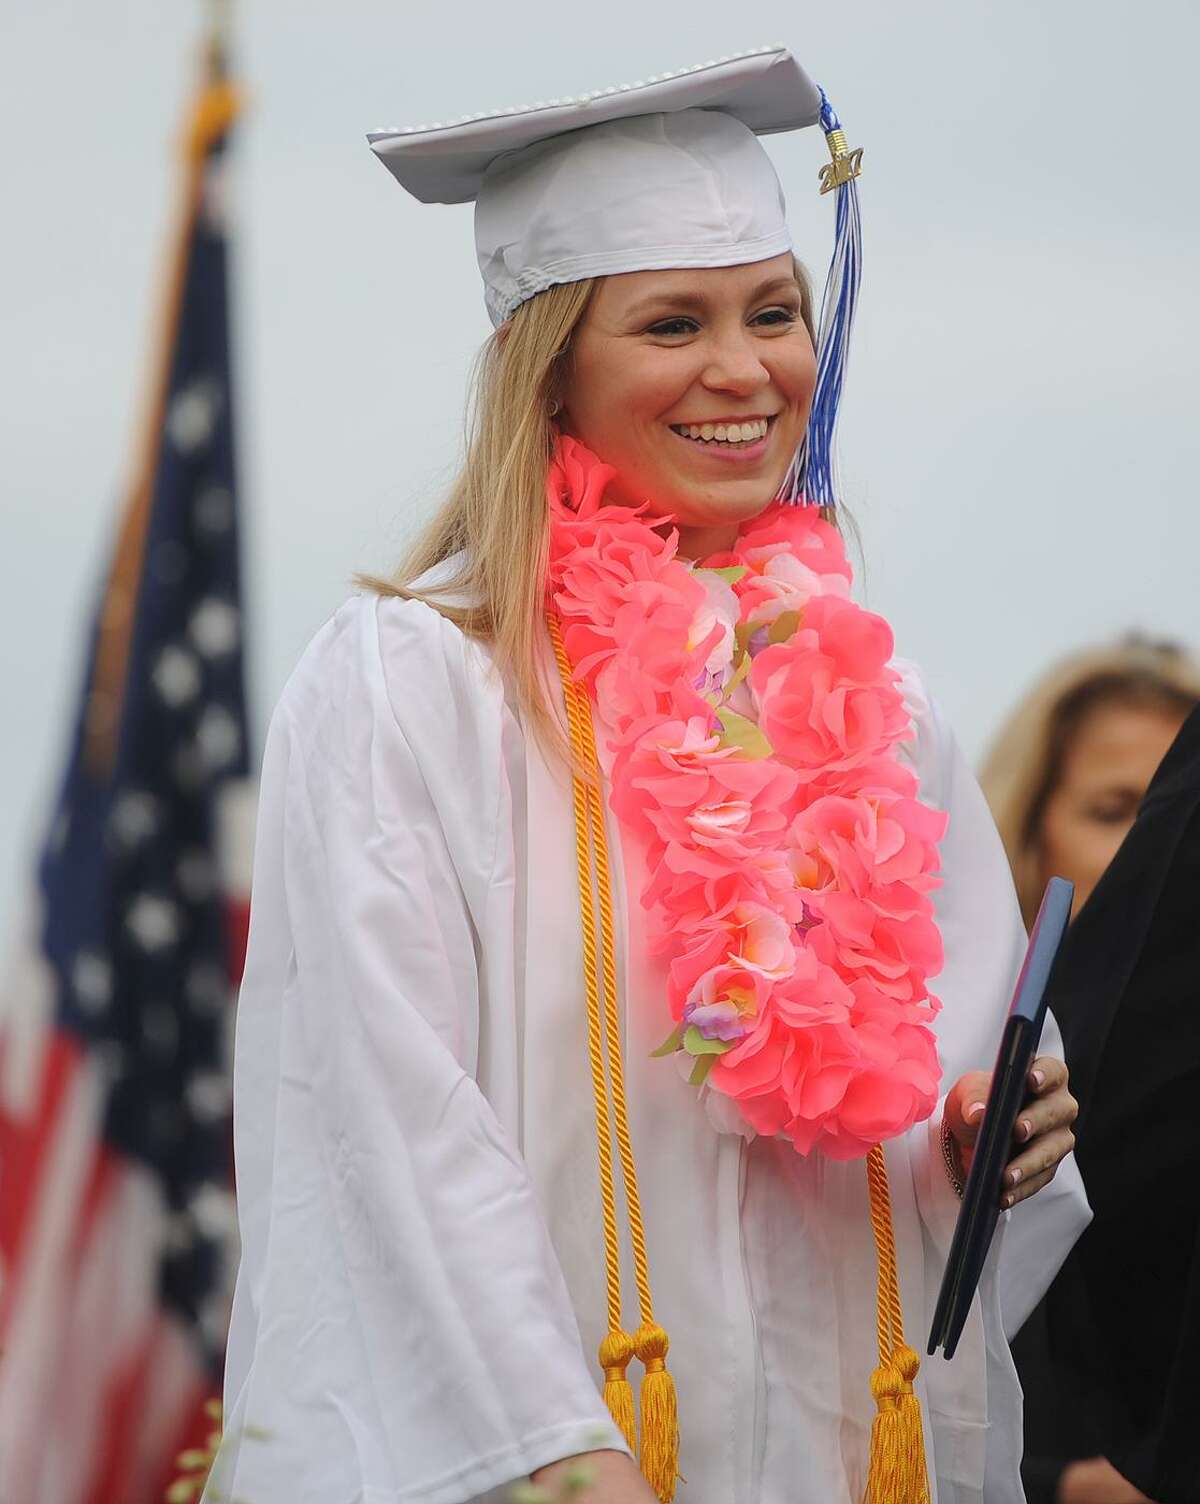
[1020, 438]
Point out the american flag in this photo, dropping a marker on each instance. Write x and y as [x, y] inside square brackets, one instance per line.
[117, 1225]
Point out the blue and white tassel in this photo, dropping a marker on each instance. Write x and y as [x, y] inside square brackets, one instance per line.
[810, 477]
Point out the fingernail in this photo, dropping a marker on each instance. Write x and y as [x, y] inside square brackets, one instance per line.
[974, 1111]
[1024, 1128]
[1007, 1202]
[1013, 1176]
[1038, 1078]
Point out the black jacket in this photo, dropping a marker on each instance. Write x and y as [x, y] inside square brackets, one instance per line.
[1111, 1360]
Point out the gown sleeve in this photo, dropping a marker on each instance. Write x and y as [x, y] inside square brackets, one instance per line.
[401, 1328]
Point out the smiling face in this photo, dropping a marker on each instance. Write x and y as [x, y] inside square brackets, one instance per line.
[696, 386]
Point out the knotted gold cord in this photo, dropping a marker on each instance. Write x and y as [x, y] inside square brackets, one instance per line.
[659, 1451]
[896, 1471]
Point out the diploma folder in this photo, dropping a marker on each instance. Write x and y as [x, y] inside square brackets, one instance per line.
[980, 1210]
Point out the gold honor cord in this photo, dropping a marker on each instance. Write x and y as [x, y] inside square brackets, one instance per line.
[896, 1471]
[659, 1451]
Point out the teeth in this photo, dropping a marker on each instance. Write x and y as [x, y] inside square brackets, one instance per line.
[723, 433]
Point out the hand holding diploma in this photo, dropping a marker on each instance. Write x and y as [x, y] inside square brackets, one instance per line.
[1043, 1135]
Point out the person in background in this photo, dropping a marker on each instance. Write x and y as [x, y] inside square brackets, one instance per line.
[1064, 777]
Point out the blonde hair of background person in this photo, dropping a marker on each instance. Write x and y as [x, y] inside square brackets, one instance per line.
[1030, 757]
[494, 521]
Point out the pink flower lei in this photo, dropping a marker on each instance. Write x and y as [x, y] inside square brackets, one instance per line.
[754, 724]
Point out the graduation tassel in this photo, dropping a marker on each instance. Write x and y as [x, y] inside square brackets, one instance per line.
[810, 476]
[659, 1450]
[896, 1470]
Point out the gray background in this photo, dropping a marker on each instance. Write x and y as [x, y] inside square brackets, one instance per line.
[1019, 438]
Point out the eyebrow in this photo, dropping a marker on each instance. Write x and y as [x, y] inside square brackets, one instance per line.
[694, 300]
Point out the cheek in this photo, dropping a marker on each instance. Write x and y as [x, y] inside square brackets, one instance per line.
[619, 394]
[796, 374]
[1078, 847]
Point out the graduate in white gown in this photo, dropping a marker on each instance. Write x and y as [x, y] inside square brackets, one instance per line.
[536, 1062]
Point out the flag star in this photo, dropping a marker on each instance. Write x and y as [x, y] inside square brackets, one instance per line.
[214, 1211]
[135, 817]
[178, 1234]
[208, 1096]
[214, 1317]
[153, 922]
[214, 627]
[176, 675]
[192, 415]
[92, 981]
[219, 738]
[213, 510]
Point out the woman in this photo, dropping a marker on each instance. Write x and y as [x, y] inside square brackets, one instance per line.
[541, 1060]
[1064, 779]
[1068, 769]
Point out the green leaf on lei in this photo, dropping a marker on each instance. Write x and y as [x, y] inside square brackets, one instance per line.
[783, 628]
[704, 1064]
[739, 673]
[731, 574]
[695, 1043]
[740, 732]
[670, 1045]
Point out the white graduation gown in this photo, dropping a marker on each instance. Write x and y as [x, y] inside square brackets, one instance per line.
[421, 1293]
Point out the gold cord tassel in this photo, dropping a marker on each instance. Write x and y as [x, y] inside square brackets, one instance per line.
[896, 1470]
[660, 1412]
[659, 1453]
[615, 1352]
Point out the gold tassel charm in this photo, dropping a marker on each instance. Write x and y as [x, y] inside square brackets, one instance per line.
[660, 1413]
[896, 1469]
[896, 1472]
[616, 1351]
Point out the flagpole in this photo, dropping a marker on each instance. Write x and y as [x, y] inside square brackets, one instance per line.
[209, 117]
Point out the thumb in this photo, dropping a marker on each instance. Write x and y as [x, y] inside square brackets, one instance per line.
[965, 1106]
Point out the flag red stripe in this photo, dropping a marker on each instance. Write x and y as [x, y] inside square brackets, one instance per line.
[23, 1144]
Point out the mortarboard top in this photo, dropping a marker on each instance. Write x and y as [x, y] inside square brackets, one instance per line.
[445, 162]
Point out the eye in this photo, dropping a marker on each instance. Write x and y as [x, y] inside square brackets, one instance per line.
[1115, 808]
[674, 326]
[777, 316]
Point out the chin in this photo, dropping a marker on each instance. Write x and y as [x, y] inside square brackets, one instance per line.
[693, 507]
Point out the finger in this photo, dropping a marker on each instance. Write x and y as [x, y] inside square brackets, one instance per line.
[1042, 1157]
[965, 1106]
[1044, 1114]
[1046, 1075]
[1027, 1188]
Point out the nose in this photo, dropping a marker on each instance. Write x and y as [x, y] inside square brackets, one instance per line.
[735, 364]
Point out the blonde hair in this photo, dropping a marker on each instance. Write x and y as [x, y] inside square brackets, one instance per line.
[494, 521]
[1025, 761]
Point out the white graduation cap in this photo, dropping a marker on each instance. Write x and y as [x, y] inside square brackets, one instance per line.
[664, 172]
